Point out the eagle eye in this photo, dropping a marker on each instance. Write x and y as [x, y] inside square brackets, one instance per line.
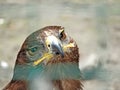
[32, 50]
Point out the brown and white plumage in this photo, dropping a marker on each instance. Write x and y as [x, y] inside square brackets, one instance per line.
[51, 54]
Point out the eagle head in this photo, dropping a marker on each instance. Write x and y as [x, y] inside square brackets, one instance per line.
[50, 44]
[49, 56]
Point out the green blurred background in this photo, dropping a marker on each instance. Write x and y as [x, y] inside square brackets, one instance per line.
[94, 24]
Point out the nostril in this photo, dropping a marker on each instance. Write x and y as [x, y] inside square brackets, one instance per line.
[57, 53]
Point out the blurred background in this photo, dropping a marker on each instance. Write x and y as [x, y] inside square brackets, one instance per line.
[94, 24]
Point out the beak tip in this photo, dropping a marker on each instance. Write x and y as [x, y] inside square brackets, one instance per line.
[62, 55]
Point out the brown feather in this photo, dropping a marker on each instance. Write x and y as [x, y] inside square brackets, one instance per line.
[16, 85]
[70, 57]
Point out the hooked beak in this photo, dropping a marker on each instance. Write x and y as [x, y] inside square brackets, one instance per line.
[57, 49]
[55, 46]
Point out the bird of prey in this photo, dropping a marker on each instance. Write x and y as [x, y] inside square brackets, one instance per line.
[48, 60]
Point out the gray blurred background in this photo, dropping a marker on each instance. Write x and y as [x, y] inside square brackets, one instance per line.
[94, 24]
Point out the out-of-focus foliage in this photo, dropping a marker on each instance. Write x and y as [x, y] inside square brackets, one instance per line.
[94, 24]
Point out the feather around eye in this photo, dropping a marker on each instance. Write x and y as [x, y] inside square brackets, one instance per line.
[62, 35]
[32, 50]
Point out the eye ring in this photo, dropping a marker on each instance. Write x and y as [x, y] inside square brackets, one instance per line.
[32, 50]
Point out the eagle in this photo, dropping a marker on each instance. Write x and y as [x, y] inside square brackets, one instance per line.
[47, 60]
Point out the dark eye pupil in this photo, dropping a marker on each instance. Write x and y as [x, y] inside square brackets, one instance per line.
[48, 45]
